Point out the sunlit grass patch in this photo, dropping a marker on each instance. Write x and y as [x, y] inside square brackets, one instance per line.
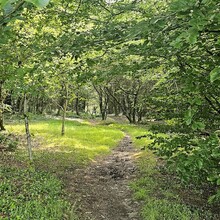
[37, 195]
[138, 132]
[80, 144]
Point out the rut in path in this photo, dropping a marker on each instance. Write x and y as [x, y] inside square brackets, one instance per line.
[102, 189]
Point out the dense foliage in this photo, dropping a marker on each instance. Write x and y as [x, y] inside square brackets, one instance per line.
[143, 59]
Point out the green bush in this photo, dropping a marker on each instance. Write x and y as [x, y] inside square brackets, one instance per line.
[159, 195]
[194, 158]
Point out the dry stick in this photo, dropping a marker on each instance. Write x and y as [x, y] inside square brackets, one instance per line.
[27, 130]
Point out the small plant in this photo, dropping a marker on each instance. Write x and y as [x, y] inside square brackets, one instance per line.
[8, 142]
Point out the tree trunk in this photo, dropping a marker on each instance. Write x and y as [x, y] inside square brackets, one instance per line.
[37, 106]
[21, 105]
[134, 108]
[29, 147]
[84, 106]
[27, 130]
[104, 113]
[64, 110]
[61, 103]
[64, 118]
[77, 105]
[2, 128]
[102, 101]
[140, 117]
[116, 109]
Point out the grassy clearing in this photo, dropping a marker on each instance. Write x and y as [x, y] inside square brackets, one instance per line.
[134, 131]
[81, 143]
[36, 192]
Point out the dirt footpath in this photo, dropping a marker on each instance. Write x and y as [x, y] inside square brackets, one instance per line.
[102, 189]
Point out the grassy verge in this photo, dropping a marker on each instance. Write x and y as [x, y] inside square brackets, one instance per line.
[34, 193]
[159, 199]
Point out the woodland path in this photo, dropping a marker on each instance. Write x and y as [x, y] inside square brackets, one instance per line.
[102, 189]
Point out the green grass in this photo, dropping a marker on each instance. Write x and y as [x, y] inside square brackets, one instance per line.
[41, 194]
[78, 135]
[137, 131]
[81, 143]
[166, 210]
[157, 192]
[26, 194]
[134, 131]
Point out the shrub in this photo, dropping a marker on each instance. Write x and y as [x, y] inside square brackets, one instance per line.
[194, 158]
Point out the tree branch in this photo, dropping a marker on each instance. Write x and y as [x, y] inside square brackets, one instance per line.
[11, 13]
[212, 105]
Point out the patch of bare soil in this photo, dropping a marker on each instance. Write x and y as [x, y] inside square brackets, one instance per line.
[102, 190]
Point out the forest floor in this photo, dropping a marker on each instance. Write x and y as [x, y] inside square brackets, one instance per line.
[102, 189]
[97, 171]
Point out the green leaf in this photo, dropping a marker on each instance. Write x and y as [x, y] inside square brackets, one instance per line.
[200, 164]
[193, 35]
[188, 116]
[198, 101]
[198, 126]
[215, 74]
[178, 42]
[39, 3]
[8, 7]
[182, 5]
[3, 3]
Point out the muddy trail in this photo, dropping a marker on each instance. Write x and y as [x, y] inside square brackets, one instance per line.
[102, 190]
